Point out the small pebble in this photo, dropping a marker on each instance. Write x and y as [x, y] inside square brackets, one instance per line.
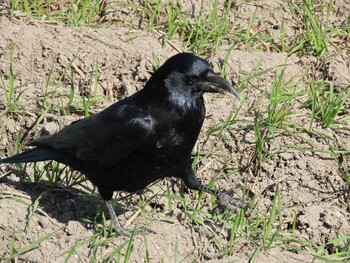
[50, 128]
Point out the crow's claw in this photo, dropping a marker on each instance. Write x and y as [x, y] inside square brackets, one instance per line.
[144, 231]
[232, 203]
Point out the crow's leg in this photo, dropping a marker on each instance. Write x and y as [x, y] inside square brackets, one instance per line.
[117, 226]
[107, 194]
[224, 199]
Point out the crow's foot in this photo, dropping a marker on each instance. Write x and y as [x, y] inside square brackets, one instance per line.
[232, 203]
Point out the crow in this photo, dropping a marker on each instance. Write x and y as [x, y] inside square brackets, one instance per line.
[142, 138]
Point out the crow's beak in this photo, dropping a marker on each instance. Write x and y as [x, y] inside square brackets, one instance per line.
[214, 83]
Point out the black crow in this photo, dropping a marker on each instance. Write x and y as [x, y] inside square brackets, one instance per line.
[142, 138]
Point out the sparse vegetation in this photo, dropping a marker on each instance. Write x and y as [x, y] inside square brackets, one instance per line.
[278, 122]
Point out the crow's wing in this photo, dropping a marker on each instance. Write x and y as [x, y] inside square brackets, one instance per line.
[107, 137]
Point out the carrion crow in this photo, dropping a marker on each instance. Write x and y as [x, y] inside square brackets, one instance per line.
[142, 138]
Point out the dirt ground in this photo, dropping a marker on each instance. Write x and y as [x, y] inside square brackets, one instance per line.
[311, 187]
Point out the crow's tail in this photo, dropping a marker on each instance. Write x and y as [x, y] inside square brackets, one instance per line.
[34, 155]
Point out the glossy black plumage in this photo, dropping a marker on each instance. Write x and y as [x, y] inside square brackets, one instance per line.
[142, 138]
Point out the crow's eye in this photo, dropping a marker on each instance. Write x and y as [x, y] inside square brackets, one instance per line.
[192, 78]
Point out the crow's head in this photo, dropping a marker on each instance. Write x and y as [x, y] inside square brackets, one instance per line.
[187, 77]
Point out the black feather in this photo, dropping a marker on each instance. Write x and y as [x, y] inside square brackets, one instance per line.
[34, 155]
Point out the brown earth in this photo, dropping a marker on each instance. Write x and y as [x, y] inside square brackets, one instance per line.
[312, 190]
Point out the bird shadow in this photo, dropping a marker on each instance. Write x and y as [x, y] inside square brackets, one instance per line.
[60, 202]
